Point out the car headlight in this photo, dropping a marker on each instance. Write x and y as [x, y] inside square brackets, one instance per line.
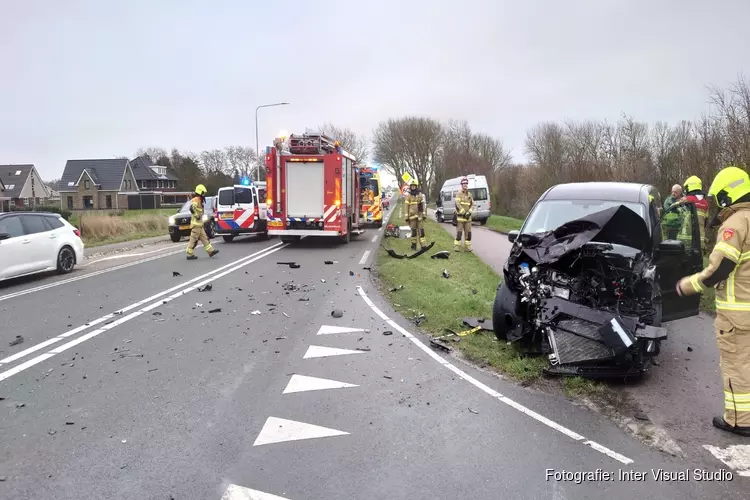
[204, 218]
[171, 221]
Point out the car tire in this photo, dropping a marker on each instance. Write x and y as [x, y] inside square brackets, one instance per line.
[66, 260]
[211, 230]
[264, 235]
[290, 239]
[440, 217]
[482, 221]
[379, 223]
[175, 237]
[228, 238]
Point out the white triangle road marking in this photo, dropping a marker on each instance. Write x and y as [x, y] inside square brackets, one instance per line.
[235, 492]
[736, 457]
[302, 383]
[317, 351]
[280, 430]
[330, 329]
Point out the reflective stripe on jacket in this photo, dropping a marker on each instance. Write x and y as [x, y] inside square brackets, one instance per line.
[464, 204]
[197, 212]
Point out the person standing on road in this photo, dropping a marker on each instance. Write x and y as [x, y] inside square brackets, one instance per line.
[729, 272]
[197, 231]
[464, 206]
[415, 214]
[672, 220]
[694, 194]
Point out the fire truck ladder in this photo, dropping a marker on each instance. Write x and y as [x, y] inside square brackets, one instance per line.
[311, 144]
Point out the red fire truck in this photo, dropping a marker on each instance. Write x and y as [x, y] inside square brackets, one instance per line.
[313, 187]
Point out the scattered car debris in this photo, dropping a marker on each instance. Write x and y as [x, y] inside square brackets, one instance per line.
[367, 268]
[329, 262]
[364, 349]
[175, 274]
[217, 310]
[443, 254]
[292, 265]
[337, 313]
[396, 288]
[51, 432]
[206, 288]
[281, 337]
[473, 411]
[440, 344]
[419, 319]
[118, 313]
[70, 423]
[123, 355]
[446, 274]
[255, 313]
[156, 313]
[641, 416]
[20, 405]
[387, 332]
[351, 273]
[690, 349]
[304, 299]
[482, 323]
[322, 280]
[210, 339]
[285, 314]
[153, 369]
[388, 377]
[2, 479]
[474, 291]
[16, 341]
[198, 305]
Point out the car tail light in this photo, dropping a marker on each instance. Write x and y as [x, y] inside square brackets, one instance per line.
[256, 210]
[77, 231]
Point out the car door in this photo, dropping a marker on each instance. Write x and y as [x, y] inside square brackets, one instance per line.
[245, 199]
[42, 249]
[225, 207]
[676, 259]
[13, 261]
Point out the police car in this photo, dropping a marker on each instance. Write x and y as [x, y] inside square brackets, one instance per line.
[241, 209]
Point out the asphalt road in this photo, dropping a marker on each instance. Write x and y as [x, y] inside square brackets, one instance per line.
[168, 400]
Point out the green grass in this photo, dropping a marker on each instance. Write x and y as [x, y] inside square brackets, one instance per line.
[503, 224]
[469, 292]
[579, 386]
[708, 297]
[103, 228]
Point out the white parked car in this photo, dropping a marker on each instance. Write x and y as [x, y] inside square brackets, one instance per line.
[36, 242]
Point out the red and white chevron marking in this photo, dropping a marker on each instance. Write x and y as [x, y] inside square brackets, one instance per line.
[331, 214]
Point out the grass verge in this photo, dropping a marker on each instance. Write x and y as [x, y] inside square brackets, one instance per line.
[708, 297]
[97, 230]
[503, 224]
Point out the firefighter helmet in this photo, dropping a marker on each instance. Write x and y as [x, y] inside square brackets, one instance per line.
[200, 189]
[693, 183]
[464, 180]
[729, 185]
[413, 182]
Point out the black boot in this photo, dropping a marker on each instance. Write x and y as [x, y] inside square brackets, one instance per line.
[192, 257]
[214, 252]
[722, 424]
[413, 246]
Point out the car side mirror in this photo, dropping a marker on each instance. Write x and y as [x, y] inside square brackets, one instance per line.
[4, 236]
[513, 235]
[672, 247]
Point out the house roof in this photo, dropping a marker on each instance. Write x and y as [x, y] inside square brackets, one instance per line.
[107, 174]
[14, 177]
[143, 172]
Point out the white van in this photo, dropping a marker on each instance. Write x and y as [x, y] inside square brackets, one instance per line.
[479, 190]
[240, 210]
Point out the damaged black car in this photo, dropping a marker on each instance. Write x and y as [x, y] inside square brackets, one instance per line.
[591, 277]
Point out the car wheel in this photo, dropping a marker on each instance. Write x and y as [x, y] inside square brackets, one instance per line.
[66, 260]
[228, 238]
[482, 221]
[211, 230]
[289, 239]
[175, 237]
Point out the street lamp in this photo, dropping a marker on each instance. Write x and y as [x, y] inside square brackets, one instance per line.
[257, 147]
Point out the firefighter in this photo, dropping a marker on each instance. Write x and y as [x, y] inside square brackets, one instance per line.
[694, 194]
[673, 219]
[464, 205]
[415, 214]
[729, 271]
[197, 231]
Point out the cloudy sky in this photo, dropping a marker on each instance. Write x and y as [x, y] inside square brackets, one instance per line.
[101, 78]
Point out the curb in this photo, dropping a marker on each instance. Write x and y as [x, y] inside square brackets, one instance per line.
[124, 246]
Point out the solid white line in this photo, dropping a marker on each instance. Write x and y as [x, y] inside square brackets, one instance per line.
[82, 277]
[364, 257]
[488, 390]
[107, 317]
[23, 366]
[375, 238]
[125, 255]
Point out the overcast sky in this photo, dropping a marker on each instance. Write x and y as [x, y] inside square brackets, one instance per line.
[101, 78]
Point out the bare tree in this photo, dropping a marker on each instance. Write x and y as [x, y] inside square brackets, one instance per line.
[152, 153]
[215, 162]
[241, 159]
[354, 143]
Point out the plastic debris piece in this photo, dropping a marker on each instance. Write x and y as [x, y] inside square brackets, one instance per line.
[387, 332]
[337, 313]
[444, 254]
[255, 313]
[206, 288]
[16, 341]
[446, 274]
[217, 310]
[175, 274]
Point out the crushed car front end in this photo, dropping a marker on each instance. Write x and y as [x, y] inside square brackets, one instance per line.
[586, 295]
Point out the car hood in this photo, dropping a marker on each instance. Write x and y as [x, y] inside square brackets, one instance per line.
[617, 225]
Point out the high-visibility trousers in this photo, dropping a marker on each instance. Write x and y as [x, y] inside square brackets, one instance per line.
[734, 360]
[198, 233]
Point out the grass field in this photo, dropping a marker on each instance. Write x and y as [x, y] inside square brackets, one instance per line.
[102, 228]
[503, 224]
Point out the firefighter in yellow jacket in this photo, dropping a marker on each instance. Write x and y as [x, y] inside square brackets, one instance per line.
[729, 272]
[464, 206]
[197, 231]
[415, 214]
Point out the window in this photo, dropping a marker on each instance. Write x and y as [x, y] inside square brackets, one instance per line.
[12, 226]
[33, 224]
[374, 187]
[18, 172]
[88, 202]
[226, 197]
[243, 195]
[109, 201]
[70, 202]
[143, 184]
[53, 223]
[86, 185]
[447, 196]
[10, 186]
[479, 194]
[262, 195]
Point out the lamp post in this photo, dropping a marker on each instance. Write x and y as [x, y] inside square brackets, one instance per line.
[257, 147]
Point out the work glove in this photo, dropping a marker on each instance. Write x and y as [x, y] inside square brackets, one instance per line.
[467, 216]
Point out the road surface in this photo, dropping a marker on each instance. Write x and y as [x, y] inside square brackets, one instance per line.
[128, 386]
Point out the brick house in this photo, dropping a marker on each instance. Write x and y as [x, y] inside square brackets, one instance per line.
[22, 187]
[152, 177]
[107, 184]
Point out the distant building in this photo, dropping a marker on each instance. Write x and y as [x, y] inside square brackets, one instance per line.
[152, 177]
[22, 187]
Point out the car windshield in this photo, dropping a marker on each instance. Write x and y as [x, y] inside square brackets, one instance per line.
[551, 214]
[185, 207]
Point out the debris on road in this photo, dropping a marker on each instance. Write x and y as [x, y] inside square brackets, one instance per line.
[351, 273]
[443, 254]
[419, 319]
[123, 355]
[292, 265]
[285, 314]
[210, 339]
[484, 324]
[255, 313]
[126, 341]
[175, 274]
[474, 411]
[329, 262]
[20, 405]
[153, 369]
[387, 332]
[322, 280]
[388, 377]
[156, 313]
[337, 313]
[70, 423]
[446, 274]
[281, 337]
[51, 432]
[16, 341]
[206, 288]
[690, 349]
[217, 310]
[440, 345]
[641, 416]
[367, 268]
[304, 299]
[396, 288]
[365, 349]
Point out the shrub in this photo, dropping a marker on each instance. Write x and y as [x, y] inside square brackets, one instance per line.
[49, 208]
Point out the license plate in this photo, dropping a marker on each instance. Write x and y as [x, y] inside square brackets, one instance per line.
[183, 228]
[227, 216]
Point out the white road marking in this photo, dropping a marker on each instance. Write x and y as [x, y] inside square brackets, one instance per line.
[108, 326]
[172, 251]
[375, 238]
[280, 430]
[488, 390]
[736, 457]
[364, 257]
[330, 329]
[316, 351]
[82, 277]
[235, 492]
[303, 383]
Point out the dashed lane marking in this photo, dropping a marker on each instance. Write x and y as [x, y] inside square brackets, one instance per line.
[211, 276]
[488, 390]
[234, 492]
[303, 383]
[280, 430]
[316, 351]
[364, 258]
[375, 238]
[331, 329]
